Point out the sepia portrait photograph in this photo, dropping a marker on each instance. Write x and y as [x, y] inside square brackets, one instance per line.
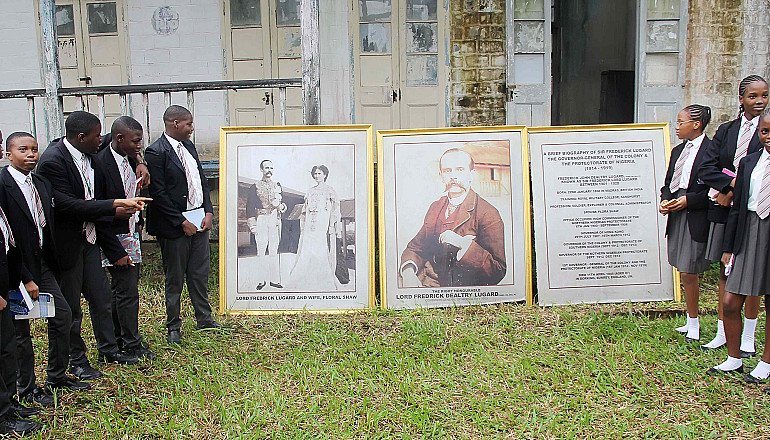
[297, 221]
[453, 218]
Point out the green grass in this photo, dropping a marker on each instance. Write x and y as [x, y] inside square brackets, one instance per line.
[508, 371]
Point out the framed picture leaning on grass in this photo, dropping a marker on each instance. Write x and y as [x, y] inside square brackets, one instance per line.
[296, 219]
[453, 216]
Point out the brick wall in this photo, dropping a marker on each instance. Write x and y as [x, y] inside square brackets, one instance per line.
[726, 40]
[477, 83]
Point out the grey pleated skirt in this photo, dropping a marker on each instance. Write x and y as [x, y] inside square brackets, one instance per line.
[684, 253]
[714, 243]
[750, 275]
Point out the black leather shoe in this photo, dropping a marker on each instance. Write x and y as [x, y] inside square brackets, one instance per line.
[691, 340]
[748, 354]
[213, 325]
[118, 358]
[276, 285]
[766, 390]
[174, 337]
[713, 371]
[261, 285]
[751, 379]
[142, 353]
[18, 426]
[37, 395]
[67, 384]
[22, 411]
[85, 372]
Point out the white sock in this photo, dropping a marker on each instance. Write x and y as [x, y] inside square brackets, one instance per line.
[761, 371]
[693, 328]
[719, 340]
[747, 337]
[730, 364]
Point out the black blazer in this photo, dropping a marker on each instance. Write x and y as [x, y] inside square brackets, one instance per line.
[720, 155]
[22, 223]
[71, 208]
[168, 188]
[697, 193]
[738, 218]
[10, 268]
[112, 188]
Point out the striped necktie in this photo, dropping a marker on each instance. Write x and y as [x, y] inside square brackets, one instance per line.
[39, 214]
[192, 194]
[679, 167]
[743, 143]
[763, 205]
[129, 187]
[88, 227]
[7, 232]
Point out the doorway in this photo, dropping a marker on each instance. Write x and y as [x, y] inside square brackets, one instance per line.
[594, 56]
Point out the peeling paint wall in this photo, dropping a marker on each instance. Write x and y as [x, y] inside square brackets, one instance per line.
[477, 78]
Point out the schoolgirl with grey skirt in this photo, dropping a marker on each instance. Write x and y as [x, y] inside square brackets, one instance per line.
[747, 252]
[684, 199]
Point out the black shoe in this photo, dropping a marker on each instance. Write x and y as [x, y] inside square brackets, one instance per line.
[142, 353]
[751, 379]
[85, 372]
[704, 348]
[213, 325]
[18, 426]
[748, 354]
[37, 395]
[118, 358]
[22, 411]
[713, 371]
[691, 340]
[67, 383]
[766, 390]
[261, 285]
[276, 285]
[174, 337]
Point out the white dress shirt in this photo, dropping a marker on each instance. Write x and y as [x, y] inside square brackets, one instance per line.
[130, 177]
[756, 179]
[687, 168]
[192, 168]
[754, 123]
[88, 171]
[21, 180]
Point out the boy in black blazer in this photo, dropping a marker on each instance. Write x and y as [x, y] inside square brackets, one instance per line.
[178, 185]
[28, 200]
[119, 179]
[68, 164]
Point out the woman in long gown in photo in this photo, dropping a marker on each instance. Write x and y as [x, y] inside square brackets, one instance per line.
[316, 254]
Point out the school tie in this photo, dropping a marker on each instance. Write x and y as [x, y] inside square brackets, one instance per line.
[7, 233]
[192, 194]
[129, 187]
[678, 168]
[763, 205]
[743, 143]
[39, 214]
[88, 227]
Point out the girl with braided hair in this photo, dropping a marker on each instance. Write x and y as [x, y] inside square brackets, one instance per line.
[684, 199]
[733, 141]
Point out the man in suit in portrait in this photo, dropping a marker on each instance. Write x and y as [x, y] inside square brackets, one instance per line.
[264, 207]
[70, 167]
[461, 241]
[119, 179]
[178, 187]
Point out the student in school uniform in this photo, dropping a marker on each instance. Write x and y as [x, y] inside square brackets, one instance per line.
[179, 186]
[684, 199]
[68, 164]
[27, 199]
[13, 415]
[119, 179]
[747, 247]
[732, 142]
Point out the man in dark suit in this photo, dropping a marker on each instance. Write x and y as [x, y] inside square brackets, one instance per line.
[178, 188]
[462, 239]
[27, 198]
[69, 166]
[12, 414]
[119, 179]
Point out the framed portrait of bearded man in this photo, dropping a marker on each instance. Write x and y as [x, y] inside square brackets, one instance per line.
[296, 219]
[454, 217]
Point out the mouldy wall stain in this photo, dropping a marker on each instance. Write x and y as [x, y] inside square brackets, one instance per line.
[477, 42]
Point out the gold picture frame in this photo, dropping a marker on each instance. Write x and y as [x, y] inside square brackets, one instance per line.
[657, 135]
[406, 185]
[346, 213]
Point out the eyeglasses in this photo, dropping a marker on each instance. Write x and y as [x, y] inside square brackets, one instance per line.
[680, 123]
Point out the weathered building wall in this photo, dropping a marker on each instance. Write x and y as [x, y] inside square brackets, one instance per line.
[726, 41]
[477, 78]
[336, 87]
